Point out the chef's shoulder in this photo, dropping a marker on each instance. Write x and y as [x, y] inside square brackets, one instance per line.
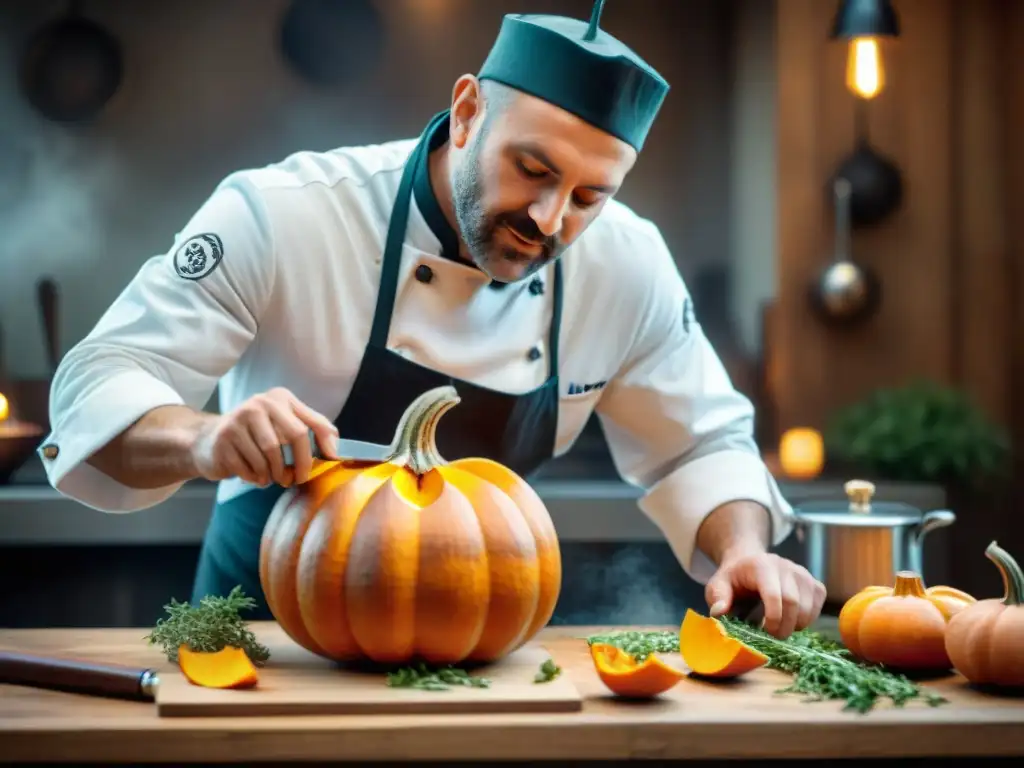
[308, 198]
[627, 262]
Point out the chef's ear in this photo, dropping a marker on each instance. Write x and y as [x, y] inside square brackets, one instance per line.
[467, 108]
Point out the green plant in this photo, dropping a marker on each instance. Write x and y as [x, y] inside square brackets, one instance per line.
[921, 432]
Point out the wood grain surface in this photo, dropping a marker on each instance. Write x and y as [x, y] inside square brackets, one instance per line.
[297, 682]
[741, 719]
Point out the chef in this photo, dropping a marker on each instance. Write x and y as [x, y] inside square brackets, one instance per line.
[329, 290]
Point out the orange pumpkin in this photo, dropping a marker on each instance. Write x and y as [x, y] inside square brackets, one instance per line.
[903, 626]
[414, 557]
[623, 676]
[710, 652]
[985, 641]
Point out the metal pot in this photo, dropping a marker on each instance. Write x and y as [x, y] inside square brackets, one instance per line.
[858, 543]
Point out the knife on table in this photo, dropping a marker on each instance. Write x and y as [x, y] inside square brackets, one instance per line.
[79, 676]
[345, 449]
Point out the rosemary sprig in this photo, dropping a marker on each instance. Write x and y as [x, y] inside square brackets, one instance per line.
[434, 679]
[824, 669]
[821, 668]
[210, 626]
[548, 671]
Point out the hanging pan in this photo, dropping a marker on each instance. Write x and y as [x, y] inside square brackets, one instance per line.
[71, 67]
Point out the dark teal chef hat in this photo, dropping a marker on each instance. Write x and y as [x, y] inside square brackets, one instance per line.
[580, 68]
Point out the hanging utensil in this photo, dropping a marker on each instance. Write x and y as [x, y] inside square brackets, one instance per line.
[71, 67]
[46, 293]
[845, 292]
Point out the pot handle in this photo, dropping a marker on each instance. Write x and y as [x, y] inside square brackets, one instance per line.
[937, 518]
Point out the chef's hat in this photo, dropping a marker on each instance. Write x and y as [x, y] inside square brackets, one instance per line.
[579, 67]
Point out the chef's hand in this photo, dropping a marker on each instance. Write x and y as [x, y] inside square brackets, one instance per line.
[791, 596]
[246, 442]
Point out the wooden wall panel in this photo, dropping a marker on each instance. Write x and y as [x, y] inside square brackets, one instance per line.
[941, 257]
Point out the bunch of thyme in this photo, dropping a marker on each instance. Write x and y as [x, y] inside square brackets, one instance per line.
[428, 678]
[210, 626]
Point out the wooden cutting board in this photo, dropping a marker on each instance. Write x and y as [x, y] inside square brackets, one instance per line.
[297, 682]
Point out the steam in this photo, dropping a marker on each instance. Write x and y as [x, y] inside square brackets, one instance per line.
[632, 586]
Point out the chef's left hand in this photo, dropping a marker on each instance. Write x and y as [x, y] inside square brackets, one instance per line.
[791, 596]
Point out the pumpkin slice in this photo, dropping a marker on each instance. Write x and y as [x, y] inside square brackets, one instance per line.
[229, 667]
[622, 674]
[710, 652]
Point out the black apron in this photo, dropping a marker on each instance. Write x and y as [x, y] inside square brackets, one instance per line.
[516, 430]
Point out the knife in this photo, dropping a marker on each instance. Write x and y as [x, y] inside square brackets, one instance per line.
[79, 676]
[345, 449]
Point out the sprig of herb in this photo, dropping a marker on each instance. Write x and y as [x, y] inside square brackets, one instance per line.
[824, 669]
[210, 626]
[638, 643]
[437, 679]
[821, 668]
[548, 672]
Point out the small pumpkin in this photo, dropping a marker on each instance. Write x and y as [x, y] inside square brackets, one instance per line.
[414, 557]
[623, 676]
[710, 652]
[985, 641]
[230, 667]
[902, 626]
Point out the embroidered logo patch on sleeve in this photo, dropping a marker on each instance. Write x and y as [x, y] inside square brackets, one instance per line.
[198, 256]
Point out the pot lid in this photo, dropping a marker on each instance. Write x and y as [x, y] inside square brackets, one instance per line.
[859, 510]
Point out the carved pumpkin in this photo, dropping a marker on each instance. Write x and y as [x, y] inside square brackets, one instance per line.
[903, 626]
[412, 558]
[986, 640]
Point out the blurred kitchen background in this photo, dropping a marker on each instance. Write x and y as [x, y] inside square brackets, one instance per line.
[907, 371]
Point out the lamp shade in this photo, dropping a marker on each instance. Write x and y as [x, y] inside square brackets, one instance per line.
[865, 18]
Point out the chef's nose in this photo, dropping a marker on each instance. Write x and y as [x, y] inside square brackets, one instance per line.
[549, 211]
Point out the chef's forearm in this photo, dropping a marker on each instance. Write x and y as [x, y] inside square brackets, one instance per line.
[156, 450]
[737, 527]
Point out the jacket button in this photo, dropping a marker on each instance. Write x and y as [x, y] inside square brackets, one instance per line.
[50, 451]
[424, 273]
[536, 286]
[533, 354]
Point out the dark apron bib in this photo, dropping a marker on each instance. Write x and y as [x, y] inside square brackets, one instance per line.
[517, 430]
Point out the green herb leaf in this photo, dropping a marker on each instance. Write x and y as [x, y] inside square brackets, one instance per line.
[548, 672]
[210, 626]
[822, 668]
[427, 678]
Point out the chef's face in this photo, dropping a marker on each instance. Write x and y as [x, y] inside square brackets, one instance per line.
[527, 177]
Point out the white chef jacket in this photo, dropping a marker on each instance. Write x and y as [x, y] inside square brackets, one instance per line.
[286, 296]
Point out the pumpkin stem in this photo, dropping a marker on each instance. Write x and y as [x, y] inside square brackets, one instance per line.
[415, 443]
[908, 584]
[1013, 579]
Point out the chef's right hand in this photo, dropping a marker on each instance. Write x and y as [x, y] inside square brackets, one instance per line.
[246, 442]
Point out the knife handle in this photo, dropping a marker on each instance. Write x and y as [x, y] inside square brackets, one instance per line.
[77, 676]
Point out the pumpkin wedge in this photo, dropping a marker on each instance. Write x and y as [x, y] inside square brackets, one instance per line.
[229, 667]
[413, 558]
[710, 652]
[623, 676]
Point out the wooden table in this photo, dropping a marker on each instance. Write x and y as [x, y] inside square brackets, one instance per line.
[694, 721]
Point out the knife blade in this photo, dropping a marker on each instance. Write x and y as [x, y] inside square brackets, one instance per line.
[78, 676]
[344, 448]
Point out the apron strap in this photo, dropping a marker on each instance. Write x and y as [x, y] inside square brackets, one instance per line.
[556, 321]
[392, 259]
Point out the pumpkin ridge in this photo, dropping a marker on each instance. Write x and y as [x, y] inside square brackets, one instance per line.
[325, 557]
[453, 593]
[535, 513]
[512, 563]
